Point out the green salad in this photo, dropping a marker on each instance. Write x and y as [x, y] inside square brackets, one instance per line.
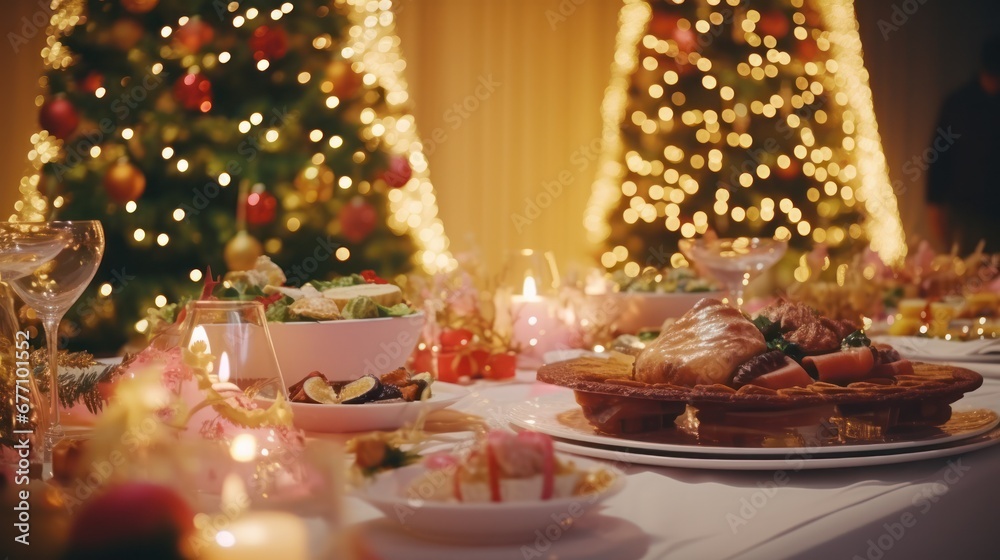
[357, 296]
[665, 281]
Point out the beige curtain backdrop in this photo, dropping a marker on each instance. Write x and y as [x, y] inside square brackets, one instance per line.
[507, 96]
[513, 162]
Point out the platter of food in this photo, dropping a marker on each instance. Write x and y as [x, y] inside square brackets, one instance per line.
[501, 490]
[787, 381]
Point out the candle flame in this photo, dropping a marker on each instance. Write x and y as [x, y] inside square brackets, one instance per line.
[223, 367]
[529, 288]
[200, 335]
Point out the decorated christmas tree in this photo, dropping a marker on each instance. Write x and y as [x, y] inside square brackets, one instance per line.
[743, 118]
[207, 133]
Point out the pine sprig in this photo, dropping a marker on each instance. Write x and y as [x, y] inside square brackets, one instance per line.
[75, 388]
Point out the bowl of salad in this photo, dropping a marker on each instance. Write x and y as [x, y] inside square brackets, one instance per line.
[344, 328]
[646, 301]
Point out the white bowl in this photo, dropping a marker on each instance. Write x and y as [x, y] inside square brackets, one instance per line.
[642, 310]
[479, 523]
[344, 350]
[341, 418]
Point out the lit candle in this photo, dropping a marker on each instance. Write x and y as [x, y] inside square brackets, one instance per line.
[261, 535]
[223, 385]
[535, 324]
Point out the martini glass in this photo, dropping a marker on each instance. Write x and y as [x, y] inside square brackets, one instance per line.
[23, 248]
[734, 262]
[51, 289]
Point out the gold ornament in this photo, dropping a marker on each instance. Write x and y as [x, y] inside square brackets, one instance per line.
[139, 6]
[124, 182]
[315, 182]
[242, 251]
[346, 82]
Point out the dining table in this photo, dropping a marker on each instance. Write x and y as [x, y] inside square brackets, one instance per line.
[940, 507]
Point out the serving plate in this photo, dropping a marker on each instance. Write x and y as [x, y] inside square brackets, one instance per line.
[559, 416]
[793, 462]
[478, 523]
[340, 418]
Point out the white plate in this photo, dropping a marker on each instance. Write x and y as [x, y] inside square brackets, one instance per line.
[594, 537]
[480, 523]
[936, 349]
[793, 462]
[541, 415]
[339, 418]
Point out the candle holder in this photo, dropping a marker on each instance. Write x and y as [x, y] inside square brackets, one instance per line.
[538, 324]
[235, 334]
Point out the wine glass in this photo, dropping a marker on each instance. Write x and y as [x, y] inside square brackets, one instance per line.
[734, 262]
[52, 288]
[23, 247]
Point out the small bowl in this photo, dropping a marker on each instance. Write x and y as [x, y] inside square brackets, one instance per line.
[479, 523]
[344, 350]
[345, 418]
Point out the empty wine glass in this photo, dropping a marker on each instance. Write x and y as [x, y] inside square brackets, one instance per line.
[52, 288]
[734, 262]
[23, 247]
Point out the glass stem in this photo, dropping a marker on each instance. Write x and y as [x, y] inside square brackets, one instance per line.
[51, 325]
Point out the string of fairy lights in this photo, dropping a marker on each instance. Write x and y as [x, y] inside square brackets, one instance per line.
[374, 52]
[842, 76]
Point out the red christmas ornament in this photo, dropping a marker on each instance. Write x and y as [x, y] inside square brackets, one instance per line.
[193, 35]
[91, 82]
[807, 49]
[774, 23]
[269, 43]
[663, 24]
[139, 6]
[59, 117]
[261, 208]
[399, 172]
[790, 172]
[194, 92]
[357, 219]
[132, 520]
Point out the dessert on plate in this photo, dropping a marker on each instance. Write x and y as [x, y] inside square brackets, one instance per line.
[506, 467]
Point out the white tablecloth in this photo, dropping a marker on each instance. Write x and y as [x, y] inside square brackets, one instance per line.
[942, 508]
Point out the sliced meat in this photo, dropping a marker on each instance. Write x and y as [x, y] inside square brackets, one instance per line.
[841, 368]
[790, 374]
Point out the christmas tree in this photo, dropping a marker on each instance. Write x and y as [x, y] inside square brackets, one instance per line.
[746, 118]
[205, 132]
